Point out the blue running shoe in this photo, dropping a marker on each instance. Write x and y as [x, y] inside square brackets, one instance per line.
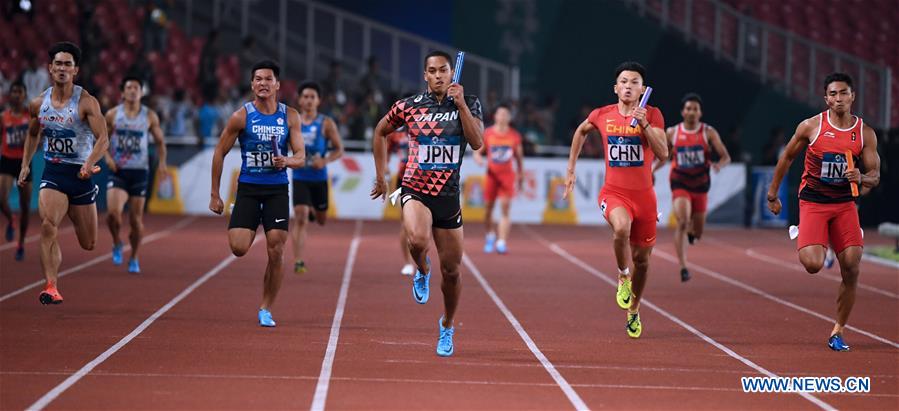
[488, 242]
[133, 266]
[117, 254]
[421, 288]
[265, 318]
[10, 232]
[20, 253]
[445, 342]
[836, 343]
[501, 247]
[829, 258]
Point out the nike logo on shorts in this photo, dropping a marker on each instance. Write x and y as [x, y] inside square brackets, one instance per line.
[280, 220]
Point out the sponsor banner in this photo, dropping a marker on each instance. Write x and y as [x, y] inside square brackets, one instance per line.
[539, 200]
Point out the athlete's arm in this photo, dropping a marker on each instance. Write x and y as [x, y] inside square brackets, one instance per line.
[472, 127]
[718, 145]
[95, 120]
[478, 157]
[334, 138]
[110, 125]
[798, 142]
[229, 135]
[379, 150]
[577, 143]
[156, 131]
[32, 139]
[669, 136]
[655, 135]
[870, 160]
[294, 130]
[519, 160]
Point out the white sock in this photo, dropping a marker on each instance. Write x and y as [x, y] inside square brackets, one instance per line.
[491, 236]
[624, 272]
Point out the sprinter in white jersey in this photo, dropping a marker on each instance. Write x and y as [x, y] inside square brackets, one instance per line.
[71, 124]
[131, 124]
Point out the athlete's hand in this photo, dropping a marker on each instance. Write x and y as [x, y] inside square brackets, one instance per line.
[569, 185]
[716, 166]
[380, 189]
[774, 205]
[87, 171]
[520, 182]
[279, 161]
[162, 170]
[854, 175]
[457, 93]
[318, 162]
[23, 174]
[639, 113]
[216, 205]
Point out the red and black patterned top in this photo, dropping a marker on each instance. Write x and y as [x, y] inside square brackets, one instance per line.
[436, 141]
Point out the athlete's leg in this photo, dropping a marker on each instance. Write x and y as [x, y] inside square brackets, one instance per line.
[849, 263]
[505, 223]
[300, 225]
[274, 240]
[136, 218]
[404, 244]
[6, 181]
[489, 204]
[620, 221]
[812, 257]
[417, 221]
[449, 248]
[240, 240]
[52, 208]
[24, 211]
[321, 216]
[84, 218]
[682, 215]
[697, 221]
[641, 270]
[116, 198]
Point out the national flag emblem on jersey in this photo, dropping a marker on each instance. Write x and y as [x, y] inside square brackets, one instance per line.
[833, 168]
[625, 151]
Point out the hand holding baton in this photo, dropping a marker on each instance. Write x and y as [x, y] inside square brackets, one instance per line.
[851, 163]
[643, 101]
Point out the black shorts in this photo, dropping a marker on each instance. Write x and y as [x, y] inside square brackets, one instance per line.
[64, 178]
[311, 193]
[446, 211]
[268, 204]
[134, 182]
[12, 166]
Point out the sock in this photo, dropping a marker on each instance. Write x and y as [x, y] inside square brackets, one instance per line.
[491, 236]
[624, 272]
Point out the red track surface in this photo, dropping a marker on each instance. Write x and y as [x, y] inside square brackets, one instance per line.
[206, 351]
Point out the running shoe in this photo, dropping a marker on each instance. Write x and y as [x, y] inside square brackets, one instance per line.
[133, 266]
[50, 295]
[836, 343]
[408, 269]
[299, 267]
[623, 297]
[501, 247]
[117, 254]
[634, 327]
[445, 342]
[265, 318]
[684, 275]
[421, 288]
[489, 240]
[829, 258]
[20, 253]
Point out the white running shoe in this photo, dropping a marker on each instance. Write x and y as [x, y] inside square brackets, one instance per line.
[408, 269]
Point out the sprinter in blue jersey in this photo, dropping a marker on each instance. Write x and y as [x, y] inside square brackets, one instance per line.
[131, 124]
[310, 183]
[263, 128]
[70, 122]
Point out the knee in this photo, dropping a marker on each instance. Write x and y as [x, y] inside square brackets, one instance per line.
[48, 227]
[275, 251]
[850, 277]
[113, 217]
[137, 226]
[622, 233]
[239, 250]
[450, 272]
[641, 264]
[89, 244]
[812, 267]
[682, 224]
[418, 241]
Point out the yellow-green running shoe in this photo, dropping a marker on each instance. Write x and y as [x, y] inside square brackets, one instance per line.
[624, 296]
[299, 267]
[634, 327]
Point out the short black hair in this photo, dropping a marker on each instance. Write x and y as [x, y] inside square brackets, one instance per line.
[18, 83]
[691, 97]
[311, 85]
[266, 64]
[837, 76]
[131, 77]
[65, 47]
[502, 105]
[631, 66]
[438, 53]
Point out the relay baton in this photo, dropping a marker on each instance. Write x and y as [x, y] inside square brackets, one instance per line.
[643, 101]
[851, 163]
[275, 148]
[460, 60]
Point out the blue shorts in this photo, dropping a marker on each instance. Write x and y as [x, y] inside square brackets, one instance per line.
[64, 178]
[133, 181]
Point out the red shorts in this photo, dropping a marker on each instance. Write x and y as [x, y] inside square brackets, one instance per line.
[837, 224]
[640, 205]
[499, 185]
[698, 201]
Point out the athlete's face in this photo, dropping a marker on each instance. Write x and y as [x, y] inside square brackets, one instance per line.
[16, 96]
[132, 91]
[691, 112]
[62, 68]
[839, 97]
[309, 100]
[629, 86]
[502, 116]
[265, 84]
[438, 74]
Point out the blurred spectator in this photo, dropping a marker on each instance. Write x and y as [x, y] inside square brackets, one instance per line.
[209, 57]
[35, 77]
[734, 147]
[370, 83]
[156, 22]
[335, 86]
[180, 113]
[248, 56]
[143, 70]
[774, 147]
[207, 122]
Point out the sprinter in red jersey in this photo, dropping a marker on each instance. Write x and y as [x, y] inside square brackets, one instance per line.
[691, 143]
[827, 211]
[502, 145]
[627, 199]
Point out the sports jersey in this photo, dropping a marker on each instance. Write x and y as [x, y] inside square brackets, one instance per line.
[628, 156]
[824, 180]
[257, 145]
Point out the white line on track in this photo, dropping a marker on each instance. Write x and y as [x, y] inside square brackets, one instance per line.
[614, 283]
[148, 239]
[324, 377]
[563, 384]
[51, 395]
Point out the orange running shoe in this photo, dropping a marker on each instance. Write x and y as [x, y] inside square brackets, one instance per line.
[50, 295]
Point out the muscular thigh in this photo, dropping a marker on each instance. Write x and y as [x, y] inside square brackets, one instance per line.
[449, 246]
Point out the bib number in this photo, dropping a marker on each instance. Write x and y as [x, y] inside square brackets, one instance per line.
[15, 136]
[439, 153]
[60, 143]
[833, 168]
[624, 151]
[690, 157]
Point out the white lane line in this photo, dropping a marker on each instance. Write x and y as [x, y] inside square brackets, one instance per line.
[573, 397]
[148, 239]
[51, 395]
[721, 277]
[614, 283]
[324, 378]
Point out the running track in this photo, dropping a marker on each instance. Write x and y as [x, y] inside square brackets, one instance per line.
[536, 329]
